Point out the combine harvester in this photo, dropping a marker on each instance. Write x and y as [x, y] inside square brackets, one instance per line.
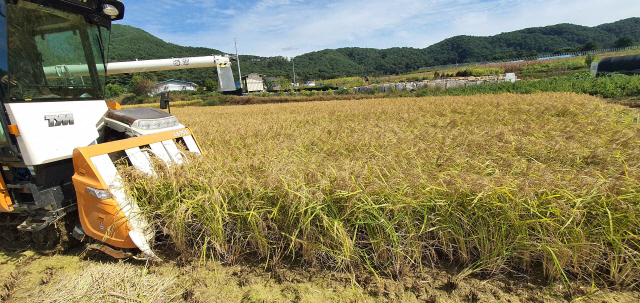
[59, 138]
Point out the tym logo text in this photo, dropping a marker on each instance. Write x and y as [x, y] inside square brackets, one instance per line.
[61, 119]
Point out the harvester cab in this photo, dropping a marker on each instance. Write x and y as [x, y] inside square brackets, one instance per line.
[58, 137]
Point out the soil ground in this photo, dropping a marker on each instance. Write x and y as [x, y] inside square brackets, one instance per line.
[75, 276]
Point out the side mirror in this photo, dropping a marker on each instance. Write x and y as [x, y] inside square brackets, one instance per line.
[164, 100]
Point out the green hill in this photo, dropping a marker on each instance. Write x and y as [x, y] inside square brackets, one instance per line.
[626, 27]
[130, 43]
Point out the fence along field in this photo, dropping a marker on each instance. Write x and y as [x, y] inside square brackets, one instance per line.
[535, 184]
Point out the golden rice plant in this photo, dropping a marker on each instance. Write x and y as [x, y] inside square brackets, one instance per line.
[544, 183]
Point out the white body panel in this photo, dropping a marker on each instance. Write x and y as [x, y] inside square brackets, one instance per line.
[191, 144]
[39, 143]
[163, 64]
[140, 159]
[222, 64]
[126, 67]
[173, 151]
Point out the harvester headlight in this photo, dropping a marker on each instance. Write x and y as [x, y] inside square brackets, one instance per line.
[156, 123]
[144, 124]
[99, 193]
[110, 10]
[173, 121]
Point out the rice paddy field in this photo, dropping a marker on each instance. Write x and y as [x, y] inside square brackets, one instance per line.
[487, 198]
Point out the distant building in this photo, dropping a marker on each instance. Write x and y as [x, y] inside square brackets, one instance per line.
[174, 85]
[254, 82]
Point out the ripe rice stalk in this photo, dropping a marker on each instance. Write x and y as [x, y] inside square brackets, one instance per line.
[540, 183]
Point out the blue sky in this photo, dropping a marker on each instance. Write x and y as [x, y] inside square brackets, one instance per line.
[293, 27]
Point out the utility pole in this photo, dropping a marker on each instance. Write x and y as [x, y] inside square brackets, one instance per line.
[238, 59]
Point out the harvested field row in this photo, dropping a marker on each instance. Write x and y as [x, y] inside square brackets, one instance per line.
[67, 278]
[543, 184]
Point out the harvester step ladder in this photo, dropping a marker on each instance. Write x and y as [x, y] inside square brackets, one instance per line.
[18, 185]
[40, 222]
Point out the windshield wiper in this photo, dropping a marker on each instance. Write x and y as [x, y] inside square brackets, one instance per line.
[96, 22]
[104, 60]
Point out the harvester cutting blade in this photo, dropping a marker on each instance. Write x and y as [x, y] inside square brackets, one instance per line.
[107, 212]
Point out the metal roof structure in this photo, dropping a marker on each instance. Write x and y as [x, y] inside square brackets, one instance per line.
[628, 65]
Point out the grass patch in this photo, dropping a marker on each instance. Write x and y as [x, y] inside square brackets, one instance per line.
[538, 183]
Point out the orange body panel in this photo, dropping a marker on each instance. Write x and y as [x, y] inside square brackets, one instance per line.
[6, 205]
[114, 105]
[103, 219]
[100, 219]
[13, 129]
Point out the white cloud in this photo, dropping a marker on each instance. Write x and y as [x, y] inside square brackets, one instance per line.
[293, 27]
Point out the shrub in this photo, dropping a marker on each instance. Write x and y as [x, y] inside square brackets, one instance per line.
[588, 60]
[113, 90]
[141, 86]
[210, 85]
[344, 91]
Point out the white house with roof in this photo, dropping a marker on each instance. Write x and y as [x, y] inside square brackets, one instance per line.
[174, 85]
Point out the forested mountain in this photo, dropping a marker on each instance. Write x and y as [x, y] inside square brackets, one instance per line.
[130, 43]
[626, 27]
